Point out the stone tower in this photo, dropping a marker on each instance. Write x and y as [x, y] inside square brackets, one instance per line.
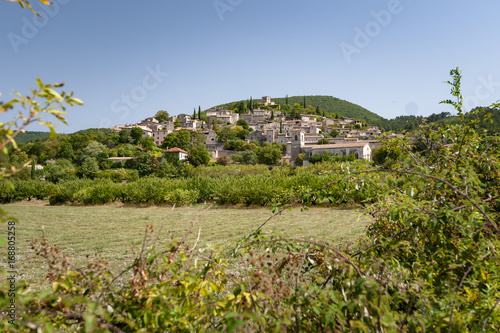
[270, 135]
[297, 143]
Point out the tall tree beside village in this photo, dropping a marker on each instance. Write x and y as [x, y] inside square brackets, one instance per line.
[162, 116]
[318, 111]
[136, 134]
[198, 155]
[251, 104]
[272, 114]
[304, 104]
[286, 100]
[194, 113]
[199, 112]
[241, 107]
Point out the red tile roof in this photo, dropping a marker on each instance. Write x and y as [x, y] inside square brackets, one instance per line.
[175, 150]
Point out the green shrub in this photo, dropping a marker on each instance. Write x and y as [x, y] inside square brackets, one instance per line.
[102, 192]
[64, 192]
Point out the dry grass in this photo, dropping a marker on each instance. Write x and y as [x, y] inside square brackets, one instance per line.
[111, 230]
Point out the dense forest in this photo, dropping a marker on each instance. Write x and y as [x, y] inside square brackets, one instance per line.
[30, 136]
[411, 123]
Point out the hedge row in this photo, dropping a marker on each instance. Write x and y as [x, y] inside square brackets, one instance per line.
[258, 189]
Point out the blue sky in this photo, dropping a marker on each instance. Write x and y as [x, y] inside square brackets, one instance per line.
[128, 59]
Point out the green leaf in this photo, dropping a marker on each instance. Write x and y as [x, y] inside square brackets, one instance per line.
[54, 93]
[75, 100]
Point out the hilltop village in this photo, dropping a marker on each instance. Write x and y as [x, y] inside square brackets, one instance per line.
[311, 134]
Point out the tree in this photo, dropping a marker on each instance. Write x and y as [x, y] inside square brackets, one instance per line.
[272, 114]
[147, 143]
[148, 164]
[63, 169]
[299, 160]
[199, 112]
[333, 134]
[124, 136]
[245, 157]
[241, 107]
[89, 168]
[198, 155]
[65, 150]
[183, 139]
[243, 123]
[269, 154]
[136, 134]
[177, 123]
[194, 113]
[304, 103]
[286, 100]
[323, 141]
[223, 160]
[95, 150]
[162, 116]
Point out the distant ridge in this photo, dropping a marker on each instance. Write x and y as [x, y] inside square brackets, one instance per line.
[329, 104]
[30, 136]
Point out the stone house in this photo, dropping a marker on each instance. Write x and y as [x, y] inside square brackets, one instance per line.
[159, 136]
[361, 150]
[175, 153]
[211, 139]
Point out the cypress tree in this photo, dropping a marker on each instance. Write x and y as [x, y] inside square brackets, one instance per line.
[286, 99]
[33, 167]
[199, 112]
[304, 101]
[194, 113]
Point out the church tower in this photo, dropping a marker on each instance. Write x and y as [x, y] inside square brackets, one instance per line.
[297, 144]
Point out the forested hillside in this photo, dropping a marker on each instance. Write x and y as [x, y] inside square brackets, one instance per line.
[328, 104]
[334, 105]
[411, 123]
[30, 136]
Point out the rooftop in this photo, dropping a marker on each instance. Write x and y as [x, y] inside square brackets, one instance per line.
[175, 150]
[341, 145]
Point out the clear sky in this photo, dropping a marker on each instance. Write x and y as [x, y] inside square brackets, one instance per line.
[128, 59]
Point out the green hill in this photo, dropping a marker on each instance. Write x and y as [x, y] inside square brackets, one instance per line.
[329, 104]
[411, 123]
[333, 105]
[29, 136]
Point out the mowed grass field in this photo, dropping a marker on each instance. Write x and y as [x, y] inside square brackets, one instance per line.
[112, 230]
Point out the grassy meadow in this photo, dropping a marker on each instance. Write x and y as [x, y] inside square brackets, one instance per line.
[112, 230]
